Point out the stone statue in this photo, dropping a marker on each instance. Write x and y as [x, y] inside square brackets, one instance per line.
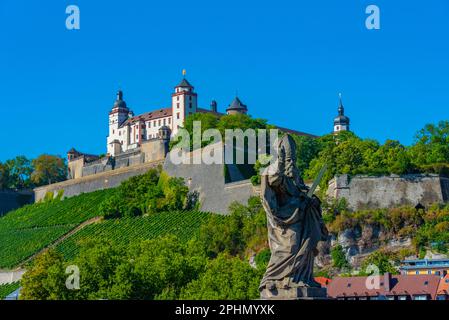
[295, 227]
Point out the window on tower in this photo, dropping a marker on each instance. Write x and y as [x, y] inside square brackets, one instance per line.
[190, 105]
[177, 98]
[177, 105]
[177, 115]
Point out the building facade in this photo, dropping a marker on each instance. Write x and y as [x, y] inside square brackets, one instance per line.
[439, 267]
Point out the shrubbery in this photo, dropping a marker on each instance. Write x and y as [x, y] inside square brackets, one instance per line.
[151, 192]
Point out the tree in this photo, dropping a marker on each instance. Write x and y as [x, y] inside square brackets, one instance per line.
[382, 260]
[20, 170]
[4, 176]
[45, 280]
[225, 278]
[338, 258]
[307, 149]
[48, 169]
[431, 145]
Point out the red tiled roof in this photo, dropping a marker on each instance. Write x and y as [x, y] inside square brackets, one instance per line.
[443, 287]
[323, 281]
[156, 114]
[399, 285]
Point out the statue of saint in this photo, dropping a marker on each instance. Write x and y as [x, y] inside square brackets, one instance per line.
[295, 226]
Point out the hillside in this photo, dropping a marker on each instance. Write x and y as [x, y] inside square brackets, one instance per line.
[184, 225]
[30, 229]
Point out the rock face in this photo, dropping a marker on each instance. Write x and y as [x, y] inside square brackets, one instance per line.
[365, 192]
[358, 243]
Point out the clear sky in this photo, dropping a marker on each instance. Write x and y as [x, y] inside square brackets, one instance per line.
[287, 59]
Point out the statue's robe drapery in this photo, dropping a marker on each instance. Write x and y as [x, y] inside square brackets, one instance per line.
[295, 224]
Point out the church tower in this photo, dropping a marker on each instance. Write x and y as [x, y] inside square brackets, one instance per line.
[341, 122]
[184, 103]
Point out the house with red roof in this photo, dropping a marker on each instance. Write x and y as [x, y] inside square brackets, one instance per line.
[385, 287]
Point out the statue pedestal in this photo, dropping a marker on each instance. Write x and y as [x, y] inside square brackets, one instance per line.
[303, 293]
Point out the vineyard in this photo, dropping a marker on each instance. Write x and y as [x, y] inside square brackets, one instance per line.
[6, 289]
[30, 229]
[123, 231]
[73, 210]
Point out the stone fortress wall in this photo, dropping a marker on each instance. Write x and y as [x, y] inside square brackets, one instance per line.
[149, 151]
[209, 182]
[103, 180]
[366, 192]
[215, 195]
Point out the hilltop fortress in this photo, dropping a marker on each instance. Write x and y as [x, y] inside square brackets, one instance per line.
[134, 140]
[136, 143]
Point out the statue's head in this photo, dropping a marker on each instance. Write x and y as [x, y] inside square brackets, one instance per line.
[287, 156]
[285, 162]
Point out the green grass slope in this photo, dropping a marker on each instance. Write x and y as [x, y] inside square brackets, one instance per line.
[183, 224]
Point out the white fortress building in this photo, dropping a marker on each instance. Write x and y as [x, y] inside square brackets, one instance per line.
[127, 132]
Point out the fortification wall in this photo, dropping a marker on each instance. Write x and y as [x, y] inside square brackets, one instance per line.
[364, 192]
[209, 181]
[104, 180]
[11, 200]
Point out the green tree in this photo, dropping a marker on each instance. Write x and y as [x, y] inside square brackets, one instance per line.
[45, 280]
[307, 149]
[48, 169]
[4, 176]
[20, 170]
[339, 259]
[225, 278]
[383, 260]
[431, 145]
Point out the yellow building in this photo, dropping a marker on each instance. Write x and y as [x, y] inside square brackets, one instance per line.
[438, 267]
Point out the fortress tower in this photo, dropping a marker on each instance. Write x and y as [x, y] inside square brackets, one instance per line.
[184, 102]
[236, 107]
[117, 116]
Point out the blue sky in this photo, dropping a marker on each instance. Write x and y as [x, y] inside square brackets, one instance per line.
[287, 59]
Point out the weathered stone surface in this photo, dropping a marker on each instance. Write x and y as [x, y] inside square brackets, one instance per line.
[295, 226]
[365, 192]
[294, 293]
[209, 181]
